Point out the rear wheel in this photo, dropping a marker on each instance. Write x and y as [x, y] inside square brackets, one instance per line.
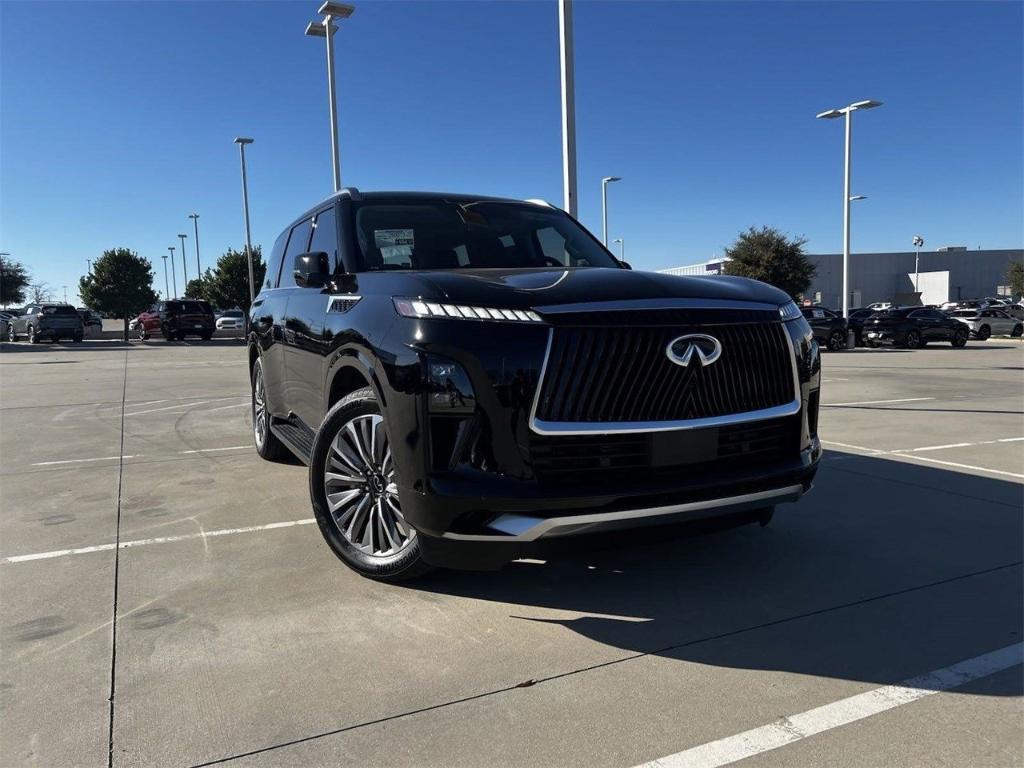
[836, 341]
[267, 444]
[355, 494]
[983, 333]
[11, 335]
[959, 338]
[913, 340]
[1018, 330]
[32, 339]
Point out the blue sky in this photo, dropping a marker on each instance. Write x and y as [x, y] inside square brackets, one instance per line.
[118, 120]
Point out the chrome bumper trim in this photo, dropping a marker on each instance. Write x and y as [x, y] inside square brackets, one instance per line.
[514, 527]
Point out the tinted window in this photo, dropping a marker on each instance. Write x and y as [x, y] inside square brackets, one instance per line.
[189, 307]
[325, 236]
[65, 309]
[276, 255]
[447, 234]
[297, 243]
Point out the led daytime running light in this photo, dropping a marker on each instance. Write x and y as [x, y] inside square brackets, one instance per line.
[420, 308]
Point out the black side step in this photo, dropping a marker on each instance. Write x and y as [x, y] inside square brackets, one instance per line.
[297, 436]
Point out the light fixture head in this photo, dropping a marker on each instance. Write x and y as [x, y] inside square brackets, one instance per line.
[858, 197]
[317, 29]
[829, 114]
[610, 179]
[193, 215]
[337, 10]
[243, 140]
[866, 104]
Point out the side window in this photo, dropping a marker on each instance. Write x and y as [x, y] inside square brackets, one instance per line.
[325, 236]
[552, 245]
[276, 255]
[918, 313]
[298, 243]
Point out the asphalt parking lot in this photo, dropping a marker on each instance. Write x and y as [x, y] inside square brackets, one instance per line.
[223, 630]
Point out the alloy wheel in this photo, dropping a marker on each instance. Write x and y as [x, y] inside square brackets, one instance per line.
[259, 408]
[362, 495]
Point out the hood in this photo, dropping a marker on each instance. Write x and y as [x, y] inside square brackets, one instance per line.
[537, 288]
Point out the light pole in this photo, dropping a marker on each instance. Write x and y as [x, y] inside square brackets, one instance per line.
[88, 266]
[241, 142]
[918, 242]
[184, 260]
[604, 206]
[832, 114]
[326, 29]
[174, 278]
[195, 220]
[167, 292]
[568, 106]
[622, 248]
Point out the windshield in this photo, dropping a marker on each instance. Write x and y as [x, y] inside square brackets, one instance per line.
[472, 235]
[232, 313]
[59, 310]
[963, 313]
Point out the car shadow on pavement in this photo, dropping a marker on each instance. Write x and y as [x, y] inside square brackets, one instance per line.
[886, 571]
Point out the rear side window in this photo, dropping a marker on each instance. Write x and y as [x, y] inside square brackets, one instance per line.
[276, 255]
[325, 236]
[60, 310]
[298, 243]
[189, 307]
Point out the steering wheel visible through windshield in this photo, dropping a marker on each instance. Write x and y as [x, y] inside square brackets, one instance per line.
[472, 235]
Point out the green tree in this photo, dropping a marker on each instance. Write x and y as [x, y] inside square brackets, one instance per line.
[768, 255]
[228, 284]
[1015, 278]
[120, 284]
[14, 280]
[201, 287]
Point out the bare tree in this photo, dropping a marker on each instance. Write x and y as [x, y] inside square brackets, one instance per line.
[39, 292]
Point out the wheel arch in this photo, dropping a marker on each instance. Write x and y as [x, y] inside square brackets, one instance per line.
[351, 371]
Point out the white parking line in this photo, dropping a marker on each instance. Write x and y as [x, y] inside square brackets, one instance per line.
[962, 466]
[158, 540]
[791, 729]
[137, 456]
[183, 405]
[879, 402]
[909, 453]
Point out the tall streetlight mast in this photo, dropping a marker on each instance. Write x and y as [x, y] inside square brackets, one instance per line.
[167, 292]
[174, 278]
[568, 106]
[622, 248]
[604, 206]
[184, 269]
[832, 114]
[326, 29]
[241, 142]
[195, 220]
[918, 242]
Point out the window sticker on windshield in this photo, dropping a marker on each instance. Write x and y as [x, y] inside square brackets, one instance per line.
[385, 238]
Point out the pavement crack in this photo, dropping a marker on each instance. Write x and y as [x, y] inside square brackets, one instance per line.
[117, 565]
[533, 682]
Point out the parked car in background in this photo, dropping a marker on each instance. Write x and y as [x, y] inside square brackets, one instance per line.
[176, 319]
[5, 318]
[830, 328]
[913, 328]
[46, 321]
[879, 305]
[231, 320]
[1014, 310]
[855, 322]
[90, 319]
[987, 322]
[962, 304]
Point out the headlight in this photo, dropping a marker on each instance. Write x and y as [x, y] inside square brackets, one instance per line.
[790, 311]
[418, 308]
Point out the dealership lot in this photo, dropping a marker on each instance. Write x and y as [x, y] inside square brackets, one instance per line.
[129, 489]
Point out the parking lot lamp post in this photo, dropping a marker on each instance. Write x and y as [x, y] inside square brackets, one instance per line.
[622, 248]
[174, 278]
[195, 220]
[241, 142]
[167, 293]
[832, 114]
[604, 206]
[326, 29]
[88, 266]
[568, 106]
[184, 260]
[918, 242]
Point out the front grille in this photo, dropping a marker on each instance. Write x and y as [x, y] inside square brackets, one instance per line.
[601, 459]
[622, 374]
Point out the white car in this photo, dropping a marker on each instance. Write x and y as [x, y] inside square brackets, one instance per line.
[987, 322]
[231, 320]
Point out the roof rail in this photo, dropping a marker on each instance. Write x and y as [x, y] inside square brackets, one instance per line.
[352, 192]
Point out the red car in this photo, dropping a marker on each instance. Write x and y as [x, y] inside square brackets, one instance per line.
[176, 319]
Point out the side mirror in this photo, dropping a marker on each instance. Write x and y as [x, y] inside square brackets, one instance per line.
[625, 264]
[312, 270]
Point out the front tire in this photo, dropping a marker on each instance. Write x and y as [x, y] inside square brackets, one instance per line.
[836, 341]
[267, 444]
[11, 335]
[354, 490]
[983, 333]
[32, 338]
[912, 340]
[1018, 330]
[959, 339]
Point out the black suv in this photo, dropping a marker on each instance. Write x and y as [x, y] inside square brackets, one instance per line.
[913, 328]
[470, 379]
[46, 321]
[829, 328]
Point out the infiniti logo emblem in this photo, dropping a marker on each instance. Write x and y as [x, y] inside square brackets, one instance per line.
[682, 349]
